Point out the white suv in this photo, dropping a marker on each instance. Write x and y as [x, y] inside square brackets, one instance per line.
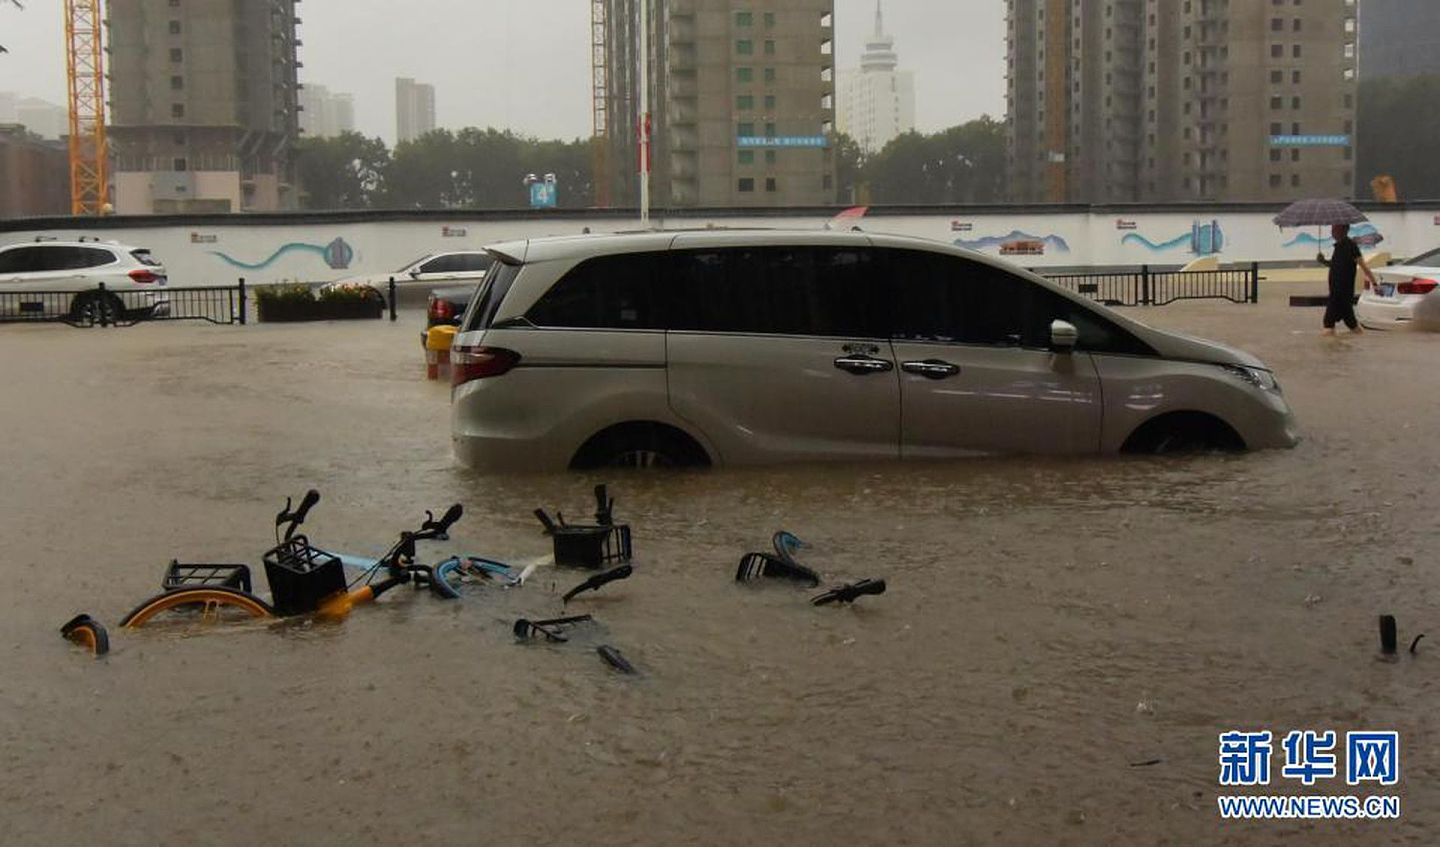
[53, 279]
[693, 348]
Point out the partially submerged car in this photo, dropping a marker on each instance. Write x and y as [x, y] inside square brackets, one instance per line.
[1407, 296]
[746, 347]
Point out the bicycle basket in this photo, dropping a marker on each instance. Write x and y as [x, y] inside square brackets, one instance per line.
[580, 546]
[301, 576]
[190, 575]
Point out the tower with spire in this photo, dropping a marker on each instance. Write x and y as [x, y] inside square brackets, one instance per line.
[877, 100]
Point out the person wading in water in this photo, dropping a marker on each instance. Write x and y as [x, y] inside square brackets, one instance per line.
[1342, 263]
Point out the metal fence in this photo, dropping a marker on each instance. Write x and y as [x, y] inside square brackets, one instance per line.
[1147, 287]
[101, 306]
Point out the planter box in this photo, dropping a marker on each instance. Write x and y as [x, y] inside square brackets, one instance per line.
[277, 311]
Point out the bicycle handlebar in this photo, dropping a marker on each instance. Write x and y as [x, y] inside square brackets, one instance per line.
[296, 517]
[440, 527]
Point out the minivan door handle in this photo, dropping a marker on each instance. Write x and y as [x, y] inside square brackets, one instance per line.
[930, 368]
[863, 364]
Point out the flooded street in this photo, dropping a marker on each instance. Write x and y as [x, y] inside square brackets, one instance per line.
[1049, 625]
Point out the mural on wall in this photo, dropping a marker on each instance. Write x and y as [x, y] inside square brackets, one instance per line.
[1017, 243]
[337, 254]
[1366, 235]
[1203, 239]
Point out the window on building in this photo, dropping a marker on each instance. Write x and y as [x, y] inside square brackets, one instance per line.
[769, 102]
[179, 164]
[770, 183]
[1277, 102]
[1295, 25]
[769, 47]
[769, 19]
[177, 110]
[1295, 155]
[174, 27]
[1294, 180]
[177, 83]
[1277, 51]
[769, 130]
[745, 129]
[1274, 155]
[176, 54]
[745, 184]
[1277, 77]
[1295, 77]
[744, 19]
[1295, 103]
[745, 101]
[769, 74]
[744, 47]
[745, 157]
[1277, 24]
[744, 74]
[1295, 51]
[1274, 180]
[769, 157]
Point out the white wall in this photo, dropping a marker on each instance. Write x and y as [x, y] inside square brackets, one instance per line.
[311, 252]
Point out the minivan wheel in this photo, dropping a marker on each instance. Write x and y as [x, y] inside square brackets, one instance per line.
[1184, 432]
[640, 445]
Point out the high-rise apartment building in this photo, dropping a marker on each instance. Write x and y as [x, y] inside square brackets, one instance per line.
[325, 114]
[877, 102]
[742, 101]
[202, 104]
[1399, 38]
[1142, 100]
[414, 109]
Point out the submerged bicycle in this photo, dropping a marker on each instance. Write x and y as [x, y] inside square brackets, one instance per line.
[305, 579]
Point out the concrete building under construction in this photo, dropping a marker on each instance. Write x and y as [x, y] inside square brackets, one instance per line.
[1138, 100]
[742, 101]
[203, 97]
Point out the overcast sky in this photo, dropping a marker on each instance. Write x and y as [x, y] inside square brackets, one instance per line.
[525, 64]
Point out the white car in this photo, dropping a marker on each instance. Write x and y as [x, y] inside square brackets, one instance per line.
[1407, 296]
[62, 279]
[748, 347]
[414, 280]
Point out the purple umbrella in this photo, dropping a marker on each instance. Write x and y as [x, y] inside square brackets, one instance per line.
[1319, 213]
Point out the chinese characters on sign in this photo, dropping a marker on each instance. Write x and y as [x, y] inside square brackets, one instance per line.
[1310, 757]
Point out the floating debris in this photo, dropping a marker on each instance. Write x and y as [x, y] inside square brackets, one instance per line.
[595, 582]
[88, 633]
[614, 659]
[850, 592]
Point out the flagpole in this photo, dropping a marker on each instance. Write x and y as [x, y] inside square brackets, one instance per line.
[644, 127]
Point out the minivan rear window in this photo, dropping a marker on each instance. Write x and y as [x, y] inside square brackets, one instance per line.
[491, 293]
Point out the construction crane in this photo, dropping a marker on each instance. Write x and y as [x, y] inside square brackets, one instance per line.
[600, 82]
[89, 151]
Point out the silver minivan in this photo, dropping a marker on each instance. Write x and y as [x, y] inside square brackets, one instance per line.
[757, 346]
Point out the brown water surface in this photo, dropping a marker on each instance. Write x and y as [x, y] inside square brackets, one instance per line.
[1048, 624]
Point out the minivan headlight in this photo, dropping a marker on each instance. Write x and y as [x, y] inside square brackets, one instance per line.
[1258, 377]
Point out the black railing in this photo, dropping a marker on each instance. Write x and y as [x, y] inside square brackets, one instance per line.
[102, 306]
[1148, 287]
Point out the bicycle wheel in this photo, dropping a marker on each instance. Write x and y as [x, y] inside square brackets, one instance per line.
[88, 633]
[212, 604]
[441, 576]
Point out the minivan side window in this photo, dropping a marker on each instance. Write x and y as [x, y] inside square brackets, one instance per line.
[605, 292]
[778, 290]
[18, 260]
[948, 298]
[952, 299]
[489, 294]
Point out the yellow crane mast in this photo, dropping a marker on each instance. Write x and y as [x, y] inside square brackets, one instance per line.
[89, 151]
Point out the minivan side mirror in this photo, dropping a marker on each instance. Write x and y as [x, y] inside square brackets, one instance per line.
[1063, 336]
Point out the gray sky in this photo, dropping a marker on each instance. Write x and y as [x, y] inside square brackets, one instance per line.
[525, 64]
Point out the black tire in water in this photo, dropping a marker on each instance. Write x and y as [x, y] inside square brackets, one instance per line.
[1184, 432]
[640, 445]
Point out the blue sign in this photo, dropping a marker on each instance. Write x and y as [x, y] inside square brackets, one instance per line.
[782, 141]
[542, 195]
[1309, 141]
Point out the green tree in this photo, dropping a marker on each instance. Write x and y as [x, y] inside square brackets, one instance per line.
[344, 172]
[849, 168]
[1397, 125]
[963, 164]
[485, 168]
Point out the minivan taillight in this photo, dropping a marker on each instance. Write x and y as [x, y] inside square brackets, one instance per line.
[145, 277]
[467, 363]
[1417, 285]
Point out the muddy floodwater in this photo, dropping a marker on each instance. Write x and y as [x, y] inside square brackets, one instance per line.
[1061, 642]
